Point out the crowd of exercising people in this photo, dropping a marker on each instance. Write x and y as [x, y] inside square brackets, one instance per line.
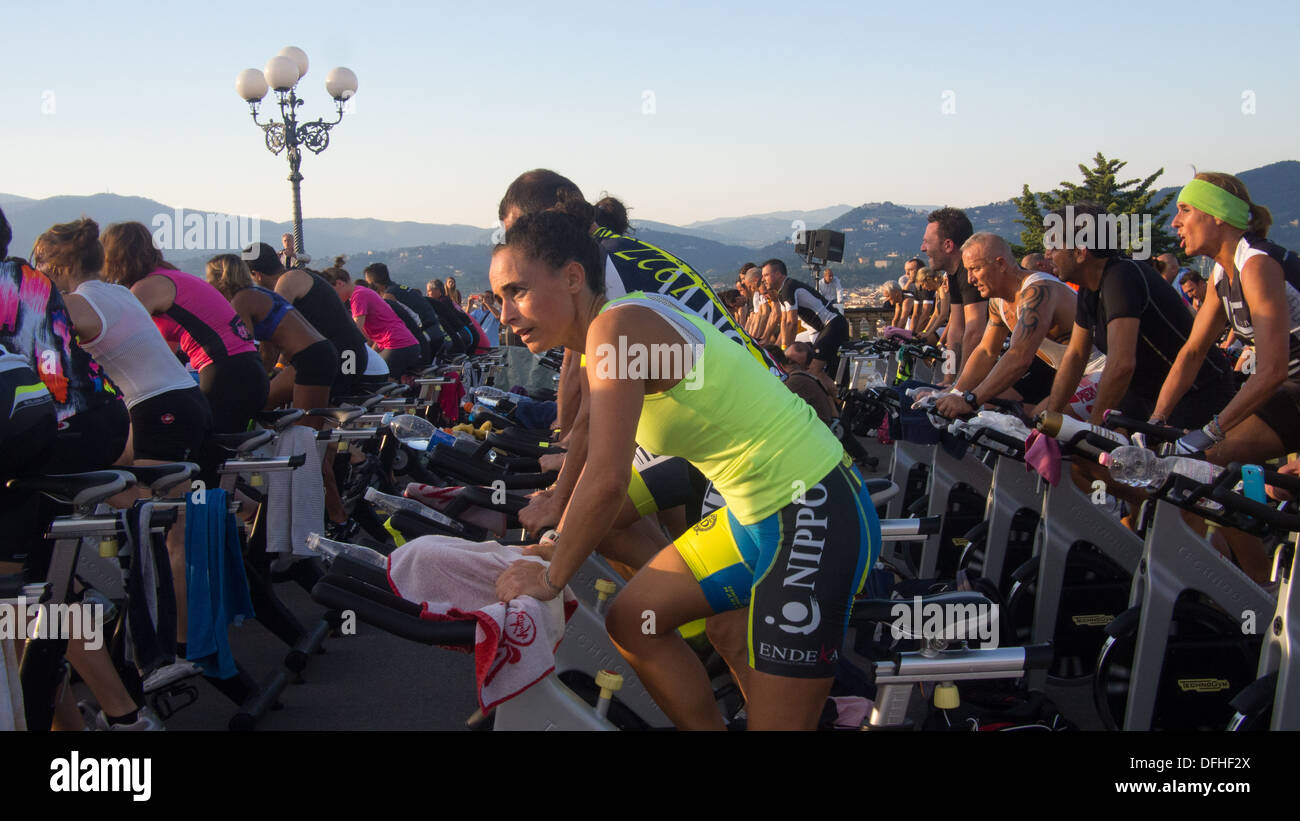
[100, 321]
[103, 325]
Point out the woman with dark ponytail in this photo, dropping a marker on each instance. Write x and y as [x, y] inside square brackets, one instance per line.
[194, 316]
[612, 214]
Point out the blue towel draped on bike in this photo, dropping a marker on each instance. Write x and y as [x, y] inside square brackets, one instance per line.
[215, 580]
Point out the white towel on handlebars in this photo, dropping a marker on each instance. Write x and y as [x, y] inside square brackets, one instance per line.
[295, 498]
[450, 578]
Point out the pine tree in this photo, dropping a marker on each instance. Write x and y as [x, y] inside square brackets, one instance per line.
[1031, 238]
[1102, 187]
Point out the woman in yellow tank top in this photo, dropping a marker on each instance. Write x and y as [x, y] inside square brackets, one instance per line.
[798, 534]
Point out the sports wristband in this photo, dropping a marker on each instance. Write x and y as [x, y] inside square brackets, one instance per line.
[1213, 430]
[551, 537]
[546, 579]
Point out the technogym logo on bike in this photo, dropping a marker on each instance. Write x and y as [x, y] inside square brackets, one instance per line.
[637, 360]
[1130, 233]
[948, 622]
[193, 231]
[82, 621]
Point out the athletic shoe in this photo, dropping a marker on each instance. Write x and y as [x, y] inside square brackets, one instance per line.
[170, 673]
[146, 721]
[89, 714]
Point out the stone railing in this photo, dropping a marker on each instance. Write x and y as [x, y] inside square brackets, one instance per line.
[862, 321]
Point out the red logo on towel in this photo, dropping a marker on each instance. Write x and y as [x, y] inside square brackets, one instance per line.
[520, 629]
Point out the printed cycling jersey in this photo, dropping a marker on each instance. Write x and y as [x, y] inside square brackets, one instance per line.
[1234, 302]
[280, 306]
[753, 459]
[812, 307]
[34, 324]
[632, 265]
[1049, 350]
[201, 321]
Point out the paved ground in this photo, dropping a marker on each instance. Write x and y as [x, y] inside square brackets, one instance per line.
[375, 681]
[369, 681]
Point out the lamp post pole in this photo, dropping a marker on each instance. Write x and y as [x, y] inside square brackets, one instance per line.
[282, 73]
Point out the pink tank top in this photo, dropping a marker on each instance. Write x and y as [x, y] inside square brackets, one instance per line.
[202, 322]
[382, 325]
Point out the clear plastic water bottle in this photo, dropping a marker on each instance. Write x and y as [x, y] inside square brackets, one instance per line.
[406, 427]
[1134, 466]
[390, 505]
[1195, 469]
[1142, 468]
[331, 550]
[488, 395]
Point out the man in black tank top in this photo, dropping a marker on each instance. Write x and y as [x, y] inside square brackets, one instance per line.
[1130, 314]
[318, 303]
[377, 275]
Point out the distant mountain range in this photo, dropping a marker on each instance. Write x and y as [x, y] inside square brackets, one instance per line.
[879, 236]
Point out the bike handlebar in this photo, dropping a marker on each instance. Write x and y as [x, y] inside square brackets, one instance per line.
[1164, 433]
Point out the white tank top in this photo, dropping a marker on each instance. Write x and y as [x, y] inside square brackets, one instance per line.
[130, 347]
[1049, 349]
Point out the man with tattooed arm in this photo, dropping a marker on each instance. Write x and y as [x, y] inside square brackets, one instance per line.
[1035, 309]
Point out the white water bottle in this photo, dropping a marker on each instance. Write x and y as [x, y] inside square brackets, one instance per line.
[1062, 427]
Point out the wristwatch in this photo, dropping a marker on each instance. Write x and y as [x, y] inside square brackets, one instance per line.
[969, 398]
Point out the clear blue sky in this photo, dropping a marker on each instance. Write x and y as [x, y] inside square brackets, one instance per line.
[757, 106]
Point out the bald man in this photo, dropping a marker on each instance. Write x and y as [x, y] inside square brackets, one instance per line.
[1037, 262]
[1036, 310]
[1167, 266]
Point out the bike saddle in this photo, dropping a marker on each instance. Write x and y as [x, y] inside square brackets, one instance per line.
[279, 419]
[162, 478]
[79, 489]
[244, 442]
[341, 416]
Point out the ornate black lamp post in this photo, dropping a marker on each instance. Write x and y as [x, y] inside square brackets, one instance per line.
[282, 73]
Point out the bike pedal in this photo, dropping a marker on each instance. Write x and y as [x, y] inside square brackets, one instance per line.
[170, 700]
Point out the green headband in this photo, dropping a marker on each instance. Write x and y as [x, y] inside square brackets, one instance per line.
[1216, 202]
